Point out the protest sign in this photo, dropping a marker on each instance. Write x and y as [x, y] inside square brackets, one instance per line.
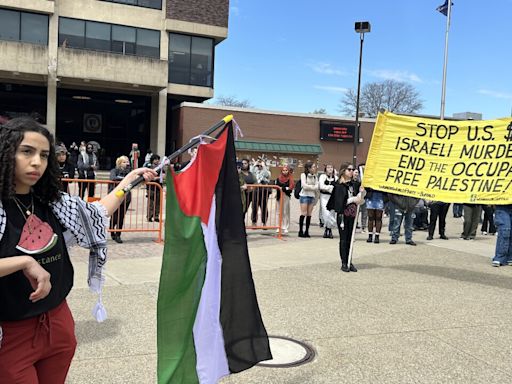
[466, 161]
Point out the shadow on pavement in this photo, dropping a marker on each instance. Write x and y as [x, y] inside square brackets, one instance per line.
[489, 279]
[88, 331]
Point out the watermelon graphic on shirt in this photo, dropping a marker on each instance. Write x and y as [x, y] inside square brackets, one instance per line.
[36, 236]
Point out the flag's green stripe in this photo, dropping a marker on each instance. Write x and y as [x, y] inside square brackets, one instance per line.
[181, 280]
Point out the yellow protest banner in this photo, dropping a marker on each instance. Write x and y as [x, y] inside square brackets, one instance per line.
[445, 160]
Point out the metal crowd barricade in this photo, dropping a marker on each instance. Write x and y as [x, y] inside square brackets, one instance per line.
[141, 212]
[262, 210]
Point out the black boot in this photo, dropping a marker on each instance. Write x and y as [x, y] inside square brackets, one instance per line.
[326, 233]
[118, 238]
[308, 222]
[330, 234]
[370, 238]
[376, 239]
[301, 224]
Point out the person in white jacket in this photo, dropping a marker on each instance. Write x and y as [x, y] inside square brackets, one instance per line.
[326, 183]
[308, 196]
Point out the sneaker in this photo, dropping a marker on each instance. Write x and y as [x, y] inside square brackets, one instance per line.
[393, 241]
[496, 264]
[484, 233]
[509, 262]
[410, 242]
[430, 238]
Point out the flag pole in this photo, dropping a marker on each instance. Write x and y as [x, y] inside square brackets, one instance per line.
[443, 93]
[177, 153]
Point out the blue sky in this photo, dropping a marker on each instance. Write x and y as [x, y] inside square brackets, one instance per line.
[298, 56]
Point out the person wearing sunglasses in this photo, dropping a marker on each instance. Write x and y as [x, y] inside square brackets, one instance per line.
[345, 198]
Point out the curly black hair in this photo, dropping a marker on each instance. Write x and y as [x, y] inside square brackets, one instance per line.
[47, 188]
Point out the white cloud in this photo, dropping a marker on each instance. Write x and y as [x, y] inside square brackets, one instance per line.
[326, 69]
[498, 95]
[331, 89]
[388, 74]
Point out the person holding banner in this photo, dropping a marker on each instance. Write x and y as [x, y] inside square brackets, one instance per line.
[503, 222]
[438, 209]
[375, 207]
[344, 199]
[404, 212]
[472, 215]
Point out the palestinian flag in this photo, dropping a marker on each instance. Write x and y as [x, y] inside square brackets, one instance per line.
[209, 322]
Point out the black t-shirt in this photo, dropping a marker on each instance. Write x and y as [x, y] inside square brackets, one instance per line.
[15, 288]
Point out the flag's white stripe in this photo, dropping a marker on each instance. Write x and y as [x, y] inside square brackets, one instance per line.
[212, 362]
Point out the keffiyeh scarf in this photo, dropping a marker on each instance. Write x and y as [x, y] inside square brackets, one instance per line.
[85, 224]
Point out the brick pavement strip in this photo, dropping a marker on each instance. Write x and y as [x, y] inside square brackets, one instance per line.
[435, 313]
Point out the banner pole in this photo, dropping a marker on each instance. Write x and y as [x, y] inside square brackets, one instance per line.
[177, 153]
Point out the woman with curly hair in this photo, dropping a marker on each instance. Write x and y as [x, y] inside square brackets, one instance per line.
[37, 222]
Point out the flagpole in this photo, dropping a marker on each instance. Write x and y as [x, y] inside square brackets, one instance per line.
[177, 153]
[443, 93]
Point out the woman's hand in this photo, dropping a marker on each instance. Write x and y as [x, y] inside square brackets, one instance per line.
[39, 279]
[147, 173]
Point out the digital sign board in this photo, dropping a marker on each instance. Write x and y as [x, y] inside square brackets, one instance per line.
[337, 131]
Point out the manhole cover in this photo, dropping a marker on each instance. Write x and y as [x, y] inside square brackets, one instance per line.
[288, 352]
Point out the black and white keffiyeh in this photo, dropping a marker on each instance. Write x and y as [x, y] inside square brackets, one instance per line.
[85, 224]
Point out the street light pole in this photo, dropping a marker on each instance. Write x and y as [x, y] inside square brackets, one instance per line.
[361, 27]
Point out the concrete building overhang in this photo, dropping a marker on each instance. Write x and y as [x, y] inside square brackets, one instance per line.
[107, 68]
[179, 26]
[39, 6]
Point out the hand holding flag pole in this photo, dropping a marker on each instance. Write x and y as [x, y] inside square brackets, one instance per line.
[122, 192]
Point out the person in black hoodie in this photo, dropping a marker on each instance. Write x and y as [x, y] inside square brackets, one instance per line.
[344, 200]
[67, 170]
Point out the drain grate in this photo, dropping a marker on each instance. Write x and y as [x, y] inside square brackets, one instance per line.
[288, 353]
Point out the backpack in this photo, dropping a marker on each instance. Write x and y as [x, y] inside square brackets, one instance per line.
[297, 189]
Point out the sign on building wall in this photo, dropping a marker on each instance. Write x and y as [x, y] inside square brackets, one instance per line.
[92, 123]
[336, 131]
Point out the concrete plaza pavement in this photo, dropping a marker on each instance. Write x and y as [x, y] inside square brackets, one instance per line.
[434, 313]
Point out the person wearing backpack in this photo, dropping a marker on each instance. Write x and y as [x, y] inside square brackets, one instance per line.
[308, 197]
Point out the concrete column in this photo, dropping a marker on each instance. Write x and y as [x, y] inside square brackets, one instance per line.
[51, 105]
[158, 122]
[51, 97]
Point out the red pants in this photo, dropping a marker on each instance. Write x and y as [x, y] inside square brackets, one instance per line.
[38, 350]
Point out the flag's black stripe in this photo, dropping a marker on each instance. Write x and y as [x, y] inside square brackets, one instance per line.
[245, 336]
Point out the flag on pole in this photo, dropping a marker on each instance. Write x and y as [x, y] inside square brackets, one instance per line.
[443, 8]
[208, 319]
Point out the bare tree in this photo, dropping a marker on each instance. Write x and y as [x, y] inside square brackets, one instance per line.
[391, 95]
[232, 101]
[319, 111]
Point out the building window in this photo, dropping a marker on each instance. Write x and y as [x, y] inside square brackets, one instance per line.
[154, 4]
[190, 60]
[23, 26]
[96, 36]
